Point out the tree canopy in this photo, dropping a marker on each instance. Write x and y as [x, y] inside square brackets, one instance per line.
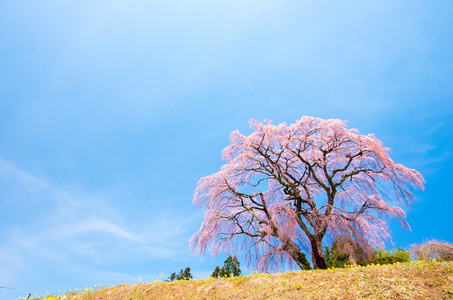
[286, 189]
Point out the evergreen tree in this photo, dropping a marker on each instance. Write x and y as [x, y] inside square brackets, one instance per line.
[179, 276]
[216, 272]
[230, 268]
[337, 256]
[184, 275]
[172, 277]
[345, 251]
[235, 267]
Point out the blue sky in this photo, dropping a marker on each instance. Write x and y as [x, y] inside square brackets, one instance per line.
[111, 111]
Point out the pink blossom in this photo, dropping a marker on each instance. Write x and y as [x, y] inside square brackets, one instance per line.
[285, 188]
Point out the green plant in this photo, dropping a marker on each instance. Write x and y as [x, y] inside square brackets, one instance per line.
[183, 275]
[230, 267]
[334, 257]
[304, 261]
[345, 251]
[172, 277]
[216, 272]
[384, 257]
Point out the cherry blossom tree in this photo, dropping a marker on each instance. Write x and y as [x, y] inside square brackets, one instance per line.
[286, 189]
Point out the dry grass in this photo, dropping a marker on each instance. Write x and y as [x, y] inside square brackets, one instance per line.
[414, 280]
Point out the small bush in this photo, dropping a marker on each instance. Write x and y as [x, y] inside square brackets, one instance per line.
[384, 257]
[336, 256]
[345, 251]
[433, 249]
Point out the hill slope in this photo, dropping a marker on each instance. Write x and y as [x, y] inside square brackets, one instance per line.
[414, 280]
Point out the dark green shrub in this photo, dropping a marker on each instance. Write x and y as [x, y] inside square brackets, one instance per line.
[304, 261]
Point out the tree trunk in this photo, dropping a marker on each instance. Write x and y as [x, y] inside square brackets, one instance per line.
[317, 257]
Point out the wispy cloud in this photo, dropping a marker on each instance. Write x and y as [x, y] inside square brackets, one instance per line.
[11, 172]
[93, 225]
[78, 231]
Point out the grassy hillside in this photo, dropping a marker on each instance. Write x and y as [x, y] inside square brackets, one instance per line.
[414, 280]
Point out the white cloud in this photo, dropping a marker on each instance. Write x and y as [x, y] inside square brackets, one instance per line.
[7, 170]
[93, 225]
[80, 231]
